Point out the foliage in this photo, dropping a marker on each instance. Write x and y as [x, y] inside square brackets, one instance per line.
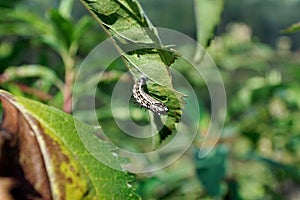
[141, 48]
[212, 169]
[55, 161]
[262, 110]
[55, 40]
[257, 156]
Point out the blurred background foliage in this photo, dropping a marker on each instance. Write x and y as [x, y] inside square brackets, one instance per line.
[258, 154]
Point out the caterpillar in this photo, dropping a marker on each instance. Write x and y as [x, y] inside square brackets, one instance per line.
[145, 99]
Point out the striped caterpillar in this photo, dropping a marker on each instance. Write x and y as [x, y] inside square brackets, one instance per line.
[145, 99]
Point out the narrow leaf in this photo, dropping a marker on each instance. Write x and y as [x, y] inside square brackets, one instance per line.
[208, 14]
[28, 71]
[292, 29]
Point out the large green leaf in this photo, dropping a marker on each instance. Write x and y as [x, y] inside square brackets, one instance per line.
[43, 144]
[140, 46]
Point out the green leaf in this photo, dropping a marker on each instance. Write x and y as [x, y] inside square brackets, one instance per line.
[292, 29]
[139, 44]
[22, 22]
[26, 71]
[211, 170]
[208, 15]
[81, 27]
[52, 156]
[173, 102]
[65, 8]
[57, 31]
[125, 21]
[63, 27]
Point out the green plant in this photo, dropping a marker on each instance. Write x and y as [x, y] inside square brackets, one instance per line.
[41, 50]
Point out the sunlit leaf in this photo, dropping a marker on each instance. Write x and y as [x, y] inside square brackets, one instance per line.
[41, 149]
[65, 7]
[139, 44]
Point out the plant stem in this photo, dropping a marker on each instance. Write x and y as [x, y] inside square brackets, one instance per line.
[69, 77]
